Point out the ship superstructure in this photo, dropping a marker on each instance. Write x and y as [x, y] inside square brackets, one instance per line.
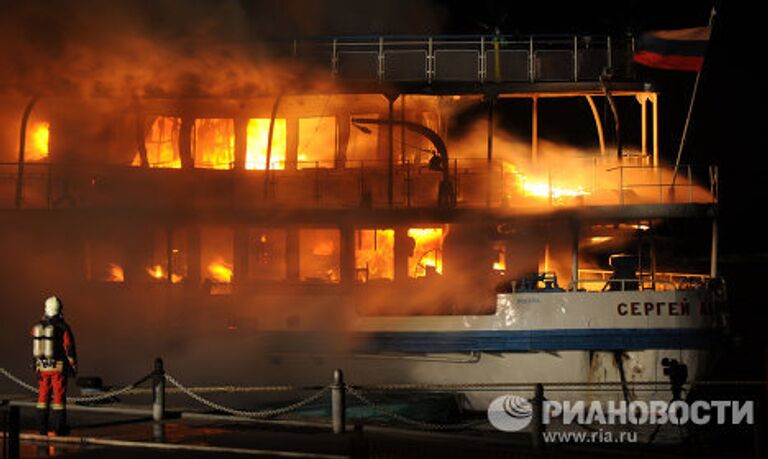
[386, 216]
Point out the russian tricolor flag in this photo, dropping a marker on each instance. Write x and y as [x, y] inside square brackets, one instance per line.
[673, 49]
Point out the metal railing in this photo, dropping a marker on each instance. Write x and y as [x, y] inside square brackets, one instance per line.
[681, 281]
[643, 182]
[353, 183]
[622, 285]
[468, 58]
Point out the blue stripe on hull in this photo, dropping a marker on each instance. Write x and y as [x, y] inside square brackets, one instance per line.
[538, 340]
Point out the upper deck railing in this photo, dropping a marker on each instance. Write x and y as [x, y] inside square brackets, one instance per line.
[472, 58]
[477, 183]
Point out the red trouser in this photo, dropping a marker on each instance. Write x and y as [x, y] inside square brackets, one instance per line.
[52, 380]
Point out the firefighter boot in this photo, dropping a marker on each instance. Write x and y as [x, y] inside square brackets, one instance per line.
[59, 421]
[42, 421]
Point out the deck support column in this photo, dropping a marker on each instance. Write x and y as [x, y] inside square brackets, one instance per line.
[347, 233]
[655, 107]
[241, 142]
[292, 255]
[292, 143]
[491, 121]
[402, 252]
[535, 130]
[575, 255]
[713, 258]
[240, 254]
[391, 153]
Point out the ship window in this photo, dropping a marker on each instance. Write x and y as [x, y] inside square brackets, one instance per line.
[427, 256]
[500, 257]
[216, 255]
[256, 150]
[36, 142]
[317, 142]
[319, 255]
[374, 254]
[266, 254]
[363, 142]
[162, 258]
[214, 143]
[162, 143]
[103, 262]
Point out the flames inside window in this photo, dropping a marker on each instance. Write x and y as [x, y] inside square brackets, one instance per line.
[427, 256]
[266, 254]
[256, 150]
[500, 262]
[162, 143]
[165, 260]
[216, 255]
[317, 142]
[214, 143]
[319, 257]
[103, 262]
[374, 254]
[37, 137]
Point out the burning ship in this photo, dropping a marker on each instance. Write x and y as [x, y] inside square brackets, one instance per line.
[382, 220]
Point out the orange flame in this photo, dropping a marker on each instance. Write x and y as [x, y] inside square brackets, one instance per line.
[214, 143]
[375, 255]
[220, 272]
[115, 273]
[256, 150]
[427, 251]
[157, 272]
[37, 142]
[542, 188]
[162, 144]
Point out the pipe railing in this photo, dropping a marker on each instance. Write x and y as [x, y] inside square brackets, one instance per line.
[476, 181]
[469, 58]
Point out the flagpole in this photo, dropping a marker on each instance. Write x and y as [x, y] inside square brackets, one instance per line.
[690, 112]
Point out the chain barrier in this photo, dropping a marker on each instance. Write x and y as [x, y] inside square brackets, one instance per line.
[244, 413]
[229, 389]
[398, 417]
[86, 399]
[18, 381]
[112, 393]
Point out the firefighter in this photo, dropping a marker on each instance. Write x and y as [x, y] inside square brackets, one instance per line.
[55, 360]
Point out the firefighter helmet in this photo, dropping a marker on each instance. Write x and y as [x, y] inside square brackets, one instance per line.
[53, 307]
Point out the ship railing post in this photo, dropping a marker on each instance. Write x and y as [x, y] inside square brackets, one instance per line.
[621, 185]
[158, 391]
[11, 430]
[338, 402]
[537, 421]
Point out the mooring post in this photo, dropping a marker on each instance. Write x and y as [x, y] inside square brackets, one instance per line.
[537, 421]
[158, 391]
[338, 402]
[11, 447]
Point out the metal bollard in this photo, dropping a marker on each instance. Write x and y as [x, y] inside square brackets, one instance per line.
[537, 422]
[14, 428]
[158, 391]
[338, 402]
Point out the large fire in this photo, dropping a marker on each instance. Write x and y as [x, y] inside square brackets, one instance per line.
[374, 254]
[37, 141]
[220, 272]
[258, 138]
[214, 146]
[526, 185]
[427, 252]
[162, 143]
[159, 273]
